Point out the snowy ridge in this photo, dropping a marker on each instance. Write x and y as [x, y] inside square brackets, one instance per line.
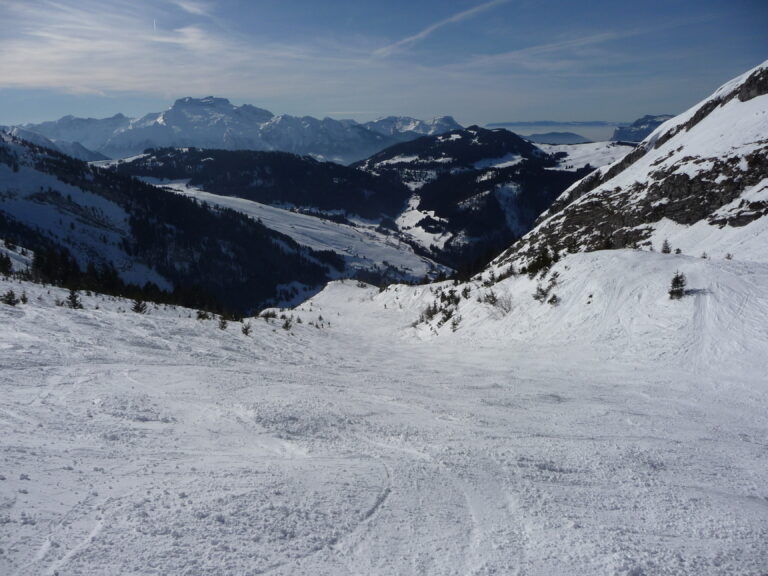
[217, 123]
[702, 168]
[594, 154]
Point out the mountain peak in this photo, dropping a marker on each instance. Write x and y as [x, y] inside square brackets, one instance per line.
[207, 101]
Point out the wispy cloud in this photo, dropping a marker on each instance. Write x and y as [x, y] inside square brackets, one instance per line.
[88, 47]
[410, 40]
[196, 8]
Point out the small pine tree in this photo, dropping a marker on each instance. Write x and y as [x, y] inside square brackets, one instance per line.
[677, 287]
[203, 315]
[678, 251]
[246, 328]
[73, 300]
[223, 323]
[5, 265]
[665, 247]
[9, 298]
[139, 306]
[24, 298]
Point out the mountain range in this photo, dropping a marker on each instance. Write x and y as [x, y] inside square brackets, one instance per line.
[592, 401]
[217, 123]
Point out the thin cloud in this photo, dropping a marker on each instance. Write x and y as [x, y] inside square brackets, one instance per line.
[410, 40]
[195, 8]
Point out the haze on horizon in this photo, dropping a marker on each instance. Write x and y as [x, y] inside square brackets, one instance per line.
[479, 61]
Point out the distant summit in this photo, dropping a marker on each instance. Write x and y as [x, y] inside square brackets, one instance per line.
[400, 126]
[214, 122]
[639, 129]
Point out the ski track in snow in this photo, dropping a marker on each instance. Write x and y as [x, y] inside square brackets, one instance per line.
[628, 437]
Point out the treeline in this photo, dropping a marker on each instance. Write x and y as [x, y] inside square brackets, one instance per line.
[275, 178]
[218, 259]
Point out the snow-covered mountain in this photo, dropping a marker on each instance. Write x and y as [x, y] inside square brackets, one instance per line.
[404, 127]
[700, 180]
[640, 129]
[74, 149]
[89, 226]
[473, 190]
[277, 178]
[217, 123]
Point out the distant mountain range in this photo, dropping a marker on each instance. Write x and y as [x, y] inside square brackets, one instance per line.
[639, 129]
[534, 123]
[558, 138]
[217, 123]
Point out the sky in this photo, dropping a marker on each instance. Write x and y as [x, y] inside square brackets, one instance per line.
[481, 61]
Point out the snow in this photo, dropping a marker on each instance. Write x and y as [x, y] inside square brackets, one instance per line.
[21, 257]
[400, 160]
[620, 432]
[408, 223]
[91, 226]
[596, 154]
[503, 162]
[362, 246]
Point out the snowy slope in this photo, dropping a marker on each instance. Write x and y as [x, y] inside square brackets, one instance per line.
[474, 190]
[622, 436]
[363, 246]
[702, 171]
[93, 226]
[595, 154]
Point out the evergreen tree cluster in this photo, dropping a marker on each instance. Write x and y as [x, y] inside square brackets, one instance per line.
[275, 178]
[215, 258]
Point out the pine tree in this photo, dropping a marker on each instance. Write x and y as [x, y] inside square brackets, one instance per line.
[9, 298]
[5, 265]
[665, 247]
[677, 287]
[139, 306]
[73, 300]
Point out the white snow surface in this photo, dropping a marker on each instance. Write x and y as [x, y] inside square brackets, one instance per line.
[362, 246]
[619, 432]
[596, 154]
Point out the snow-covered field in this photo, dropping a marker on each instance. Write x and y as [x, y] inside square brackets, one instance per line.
[596, 154]
[362, 246]
[619, 432]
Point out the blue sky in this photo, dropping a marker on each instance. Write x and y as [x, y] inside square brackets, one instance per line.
[480, 61]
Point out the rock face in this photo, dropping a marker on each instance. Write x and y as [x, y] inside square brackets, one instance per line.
[217, 123]
[639, 129]
[705, 167]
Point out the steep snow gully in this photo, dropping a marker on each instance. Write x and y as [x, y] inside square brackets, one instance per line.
[617, 433]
